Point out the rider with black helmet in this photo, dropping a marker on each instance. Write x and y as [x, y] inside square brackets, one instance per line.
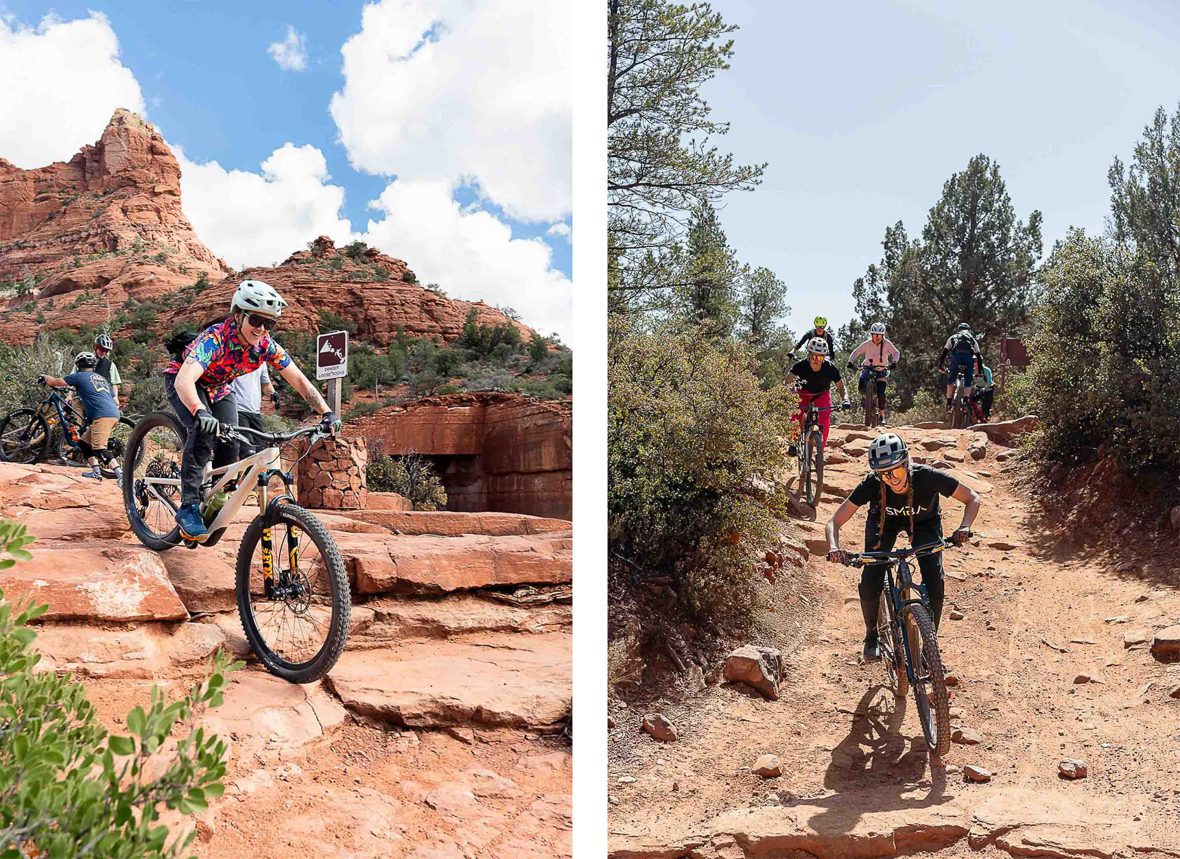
[901, 497]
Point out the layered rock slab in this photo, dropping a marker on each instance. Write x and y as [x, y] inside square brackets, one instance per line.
[102, 581]
[145, 651]
[490, 679]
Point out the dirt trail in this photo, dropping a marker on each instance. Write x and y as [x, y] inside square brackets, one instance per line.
[1037, 614]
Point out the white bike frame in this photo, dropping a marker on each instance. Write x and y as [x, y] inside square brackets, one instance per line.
[250, 467]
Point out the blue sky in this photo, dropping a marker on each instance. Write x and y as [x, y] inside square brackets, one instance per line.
[210, 83]
[864, 109]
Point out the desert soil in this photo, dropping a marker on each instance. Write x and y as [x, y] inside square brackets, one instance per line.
[1053, 659]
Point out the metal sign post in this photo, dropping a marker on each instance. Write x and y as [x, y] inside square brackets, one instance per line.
[331, 363]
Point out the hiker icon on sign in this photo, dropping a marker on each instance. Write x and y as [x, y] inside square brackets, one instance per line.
[331, 355]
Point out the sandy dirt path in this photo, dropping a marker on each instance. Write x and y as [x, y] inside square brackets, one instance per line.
[1039, 613]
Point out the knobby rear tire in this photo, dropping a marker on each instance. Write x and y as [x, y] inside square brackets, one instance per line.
[146, 535]
[340, 597]
[26, 454]
[934, 713]
[892, 652]
[871, 402]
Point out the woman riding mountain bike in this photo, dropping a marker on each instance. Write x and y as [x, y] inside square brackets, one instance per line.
[198, 389]
[815, 376]
[901, 497]
[879, 355]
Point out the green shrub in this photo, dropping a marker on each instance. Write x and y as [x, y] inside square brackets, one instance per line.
[410, 277]
[336, 263]
[411, 476]
[694, 455]
[361, 409]
[70, 788]
[928, 405]
[356, 250]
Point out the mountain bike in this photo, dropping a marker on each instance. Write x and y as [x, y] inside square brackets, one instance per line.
[909, 646]
[872, 406]
[811, 453]
[28, 436]
[291, 586]
[960, 405]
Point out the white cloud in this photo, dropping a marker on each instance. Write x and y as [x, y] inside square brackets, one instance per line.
[561, 228]
[472, 90]
[291, 53]
[471, 253]
[256, 218]
[62, 80]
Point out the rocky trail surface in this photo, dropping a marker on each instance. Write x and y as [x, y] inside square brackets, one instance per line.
[437, 734]
[1051, 639]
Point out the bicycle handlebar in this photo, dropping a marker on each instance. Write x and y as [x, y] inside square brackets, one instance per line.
[862, 559]
[274, 438]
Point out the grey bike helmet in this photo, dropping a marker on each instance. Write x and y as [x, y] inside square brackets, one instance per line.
[877, 328]
[104, 341]
[817, 346]
[86, 361]
[963, 326]
[254, 296]
[887, 451]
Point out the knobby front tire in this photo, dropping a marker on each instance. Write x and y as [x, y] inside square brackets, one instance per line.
[299, 637]
[929, 695]
[814, 477]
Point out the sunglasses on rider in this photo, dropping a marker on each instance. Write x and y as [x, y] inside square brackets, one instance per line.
[894, 475]
[260, 321]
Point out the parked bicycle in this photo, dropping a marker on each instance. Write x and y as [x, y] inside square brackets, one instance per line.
[292, 593]
[811, 453]
[909, 645]
[29, 436]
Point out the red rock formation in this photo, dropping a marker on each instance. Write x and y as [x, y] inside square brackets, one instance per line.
[107, 226]
[103, 227]
[497, 451]
[366, 287]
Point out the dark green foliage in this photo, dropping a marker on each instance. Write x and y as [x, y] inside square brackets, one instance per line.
[410, 277]
[356, 251]
[694, 459]
[336, 263]
[411, 476]
[330, 321]
[70, 788]
[974, 264]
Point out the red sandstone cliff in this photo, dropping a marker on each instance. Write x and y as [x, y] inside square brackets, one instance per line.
[96, 230]
[107, 226]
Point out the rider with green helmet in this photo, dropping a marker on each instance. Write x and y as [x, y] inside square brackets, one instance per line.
[820, 330]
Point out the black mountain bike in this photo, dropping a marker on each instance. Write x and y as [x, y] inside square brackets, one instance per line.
[909, 646]
[961, 417]
[29, 436]
[872, 406]
[292, 589]
[811, 453]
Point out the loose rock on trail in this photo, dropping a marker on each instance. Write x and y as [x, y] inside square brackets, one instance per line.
[856, 778]
[437, 734]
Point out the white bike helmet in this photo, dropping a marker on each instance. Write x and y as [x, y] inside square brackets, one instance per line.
[887, 451]
[817, 346]
[877, 328]
[254, 296]
[104, 341]
[86, 361]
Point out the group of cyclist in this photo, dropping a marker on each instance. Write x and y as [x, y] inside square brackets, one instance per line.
[902, 496]
[200, 386]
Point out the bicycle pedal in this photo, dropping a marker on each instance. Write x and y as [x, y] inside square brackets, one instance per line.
[190, 544]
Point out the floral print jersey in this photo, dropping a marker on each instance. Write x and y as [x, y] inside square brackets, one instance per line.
[225, 356]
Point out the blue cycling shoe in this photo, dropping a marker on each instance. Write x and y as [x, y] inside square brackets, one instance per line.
[192, 526]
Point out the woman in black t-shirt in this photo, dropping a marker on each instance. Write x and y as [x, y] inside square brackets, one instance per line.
[901, 497]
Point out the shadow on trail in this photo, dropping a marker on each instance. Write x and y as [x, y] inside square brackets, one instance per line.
[875, 766]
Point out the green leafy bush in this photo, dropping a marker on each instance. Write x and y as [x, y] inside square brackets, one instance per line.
[70, 788]
[695, 449]
[411, 476]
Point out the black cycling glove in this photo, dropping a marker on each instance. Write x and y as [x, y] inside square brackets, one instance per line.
[331, 424]
[206, 423]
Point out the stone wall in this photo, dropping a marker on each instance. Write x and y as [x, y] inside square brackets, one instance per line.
[332, 476]
[502, 452]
